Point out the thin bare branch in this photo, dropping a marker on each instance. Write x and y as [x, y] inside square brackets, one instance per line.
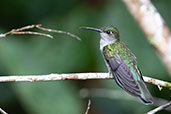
[159, 108]
[38, 26]
[75, 76]
[33, 33]
[153, 26]
[2, 111]
[58, 31]
[26, 27]
[88, 106]
[21, 31]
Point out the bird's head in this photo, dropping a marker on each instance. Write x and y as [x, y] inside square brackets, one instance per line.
[109, 33]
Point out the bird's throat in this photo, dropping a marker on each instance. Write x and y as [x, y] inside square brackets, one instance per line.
[105, 42]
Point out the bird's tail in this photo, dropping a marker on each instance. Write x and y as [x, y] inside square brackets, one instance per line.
[145, 94]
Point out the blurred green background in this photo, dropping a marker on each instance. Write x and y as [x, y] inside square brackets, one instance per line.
[30, 54]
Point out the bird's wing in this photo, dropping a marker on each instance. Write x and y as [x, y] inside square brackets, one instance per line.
[123, 66]
[123, 75]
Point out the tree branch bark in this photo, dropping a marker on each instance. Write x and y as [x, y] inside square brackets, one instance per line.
[2, 111]
[75, 76]
[88, 106]
[159, 108]
[38, 26]
[153, 26]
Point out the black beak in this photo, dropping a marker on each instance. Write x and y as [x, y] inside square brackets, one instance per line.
[90, 28]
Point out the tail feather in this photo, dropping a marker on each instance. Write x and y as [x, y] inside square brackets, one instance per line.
[145, 94]
[147, 100]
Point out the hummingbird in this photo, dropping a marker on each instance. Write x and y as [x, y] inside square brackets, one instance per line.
[122, 64]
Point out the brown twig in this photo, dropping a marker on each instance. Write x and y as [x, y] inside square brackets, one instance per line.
[38, 26]
[33, 33]
[75, 76]
[2, 111]
[58, 31]
[88, 106]
[153, 26]
[21, 31]
[159, 108]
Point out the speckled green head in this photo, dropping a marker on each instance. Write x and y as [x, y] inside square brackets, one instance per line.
[111, 30]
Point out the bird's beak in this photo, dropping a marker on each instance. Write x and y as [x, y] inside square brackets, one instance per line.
[90, 28]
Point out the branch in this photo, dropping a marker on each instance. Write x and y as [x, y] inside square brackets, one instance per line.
[74, 76]
[159, 108]
[153, 26]
[88, 106]
[2, 111]
[38, 26]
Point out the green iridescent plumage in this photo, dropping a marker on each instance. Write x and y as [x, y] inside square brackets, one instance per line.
[122, 64]
[121, 49]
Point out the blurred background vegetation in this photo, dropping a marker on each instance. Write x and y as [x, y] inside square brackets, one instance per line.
[30, 54]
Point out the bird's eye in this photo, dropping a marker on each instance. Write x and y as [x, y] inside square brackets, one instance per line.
[108, 32]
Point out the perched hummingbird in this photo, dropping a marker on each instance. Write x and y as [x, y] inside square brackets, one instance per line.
[122, 64]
